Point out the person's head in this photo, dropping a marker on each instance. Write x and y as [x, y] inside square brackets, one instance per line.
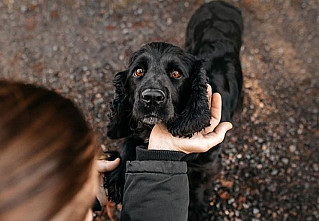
[46, 156]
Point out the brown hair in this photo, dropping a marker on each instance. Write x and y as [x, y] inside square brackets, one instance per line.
[46, 153]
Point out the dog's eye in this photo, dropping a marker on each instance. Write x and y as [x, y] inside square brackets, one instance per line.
[138, 72]
[175, 74]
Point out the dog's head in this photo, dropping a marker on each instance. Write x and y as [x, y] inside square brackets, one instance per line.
[163, 83]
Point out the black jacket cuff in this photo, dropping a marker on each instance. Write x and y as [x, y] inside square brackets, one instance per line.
[166, 155]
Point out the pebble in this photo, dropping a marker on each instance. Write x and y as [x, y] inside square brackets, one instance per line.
[264, 147]
[315, 167]
[292, 120]
[285, 160]
[23, 8]
[292, 148]
[140, 11]
[274, 172]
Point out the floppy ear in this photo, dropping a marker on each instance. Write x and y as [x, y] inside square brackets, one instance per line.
[120, 107]
[196, 115]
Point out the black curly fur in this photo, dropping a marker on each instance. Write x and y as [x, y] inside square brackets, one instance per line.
[120, 108]
[196, 115]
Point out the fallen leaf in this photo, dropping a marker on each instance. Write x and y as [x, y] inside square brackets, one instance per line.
[224, 195]
[227, 183]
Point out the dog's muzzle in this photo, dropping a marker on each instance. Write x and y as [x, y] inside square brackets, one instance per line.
[153, 97]
[153, 100]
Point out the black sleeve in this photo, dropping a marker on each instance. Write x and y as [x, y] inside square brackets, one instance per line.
[167, 155]
[155, 190]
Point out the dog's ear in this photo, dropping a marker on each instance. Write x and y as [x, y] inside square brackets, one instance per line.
[120, 107]
[196, 115]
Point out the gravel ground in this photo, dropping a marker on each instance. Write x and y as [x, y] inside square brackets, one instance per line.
[270, 159]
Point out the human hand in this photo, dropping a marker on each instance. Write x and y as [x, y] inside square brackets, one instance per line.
[162, 139]
[104, 166]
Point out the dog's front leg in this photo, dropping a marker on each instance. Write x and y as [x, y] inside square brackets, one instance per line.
[115, 179]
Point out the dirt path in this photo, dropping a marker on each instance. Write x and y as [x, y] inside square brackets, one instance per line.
[271, 160]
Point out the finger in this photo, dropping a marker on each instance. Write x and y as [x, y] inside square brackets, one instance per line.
[217, 136]
[201, 143]
[209, 95]
[213, 124]
[216, 113]
[216, 109]
[223, 127]
[107, 166]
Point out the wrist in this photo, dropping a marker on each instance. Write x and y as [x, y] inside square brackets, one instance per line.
[160, 144]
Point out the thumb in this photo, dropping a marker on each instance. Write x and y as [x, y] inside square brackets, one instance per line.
[223, 127]
[107, 166]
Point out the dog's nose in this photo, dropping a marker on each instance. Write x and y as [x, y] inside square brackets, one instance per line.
[154, 96]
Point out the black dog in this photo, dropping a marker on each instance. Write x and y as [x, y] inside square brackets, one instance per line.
[165, 83]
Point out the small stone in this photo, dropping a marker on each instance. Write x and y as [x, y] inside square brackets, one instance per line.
[274, 172]
[125, 31]
[23, 8]
[285, 160]
[274, 215]
[281, 50]
[230, 201]
[315, 167]
[139, 11]
[264, 147]
[292, 120]
[98, 95]
[292, 148]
